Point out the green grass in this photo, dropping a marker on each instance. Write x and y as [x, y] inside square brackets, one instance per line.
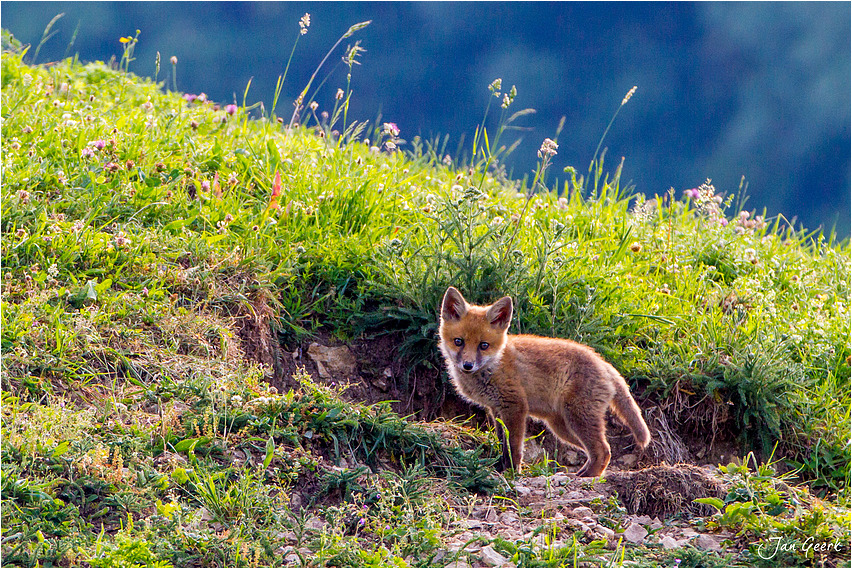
[141, 231]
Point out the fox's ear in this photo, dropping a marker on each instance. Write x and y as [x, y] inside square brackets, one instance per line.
[500, 313]
[454, 306]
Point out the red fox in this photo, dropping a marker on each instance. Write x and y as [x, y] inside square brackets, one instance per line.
[566, 385]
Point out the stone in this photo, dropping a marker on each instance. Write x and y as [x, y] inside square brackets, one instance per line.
[538, 481]
[491, 558]
[628, 459]
[533, 452]
[708, 543]
[508, 518]
[656, 523]
[582, 512]
[669, 542]
[605, 531]
[490, 515]
[333, 362]
[380, 384]
[522, 490]
[635, 533]
[572, 458]
[315, 523]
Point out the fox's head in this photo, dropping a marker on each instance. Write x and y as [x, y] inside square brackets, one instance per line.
[473, 336]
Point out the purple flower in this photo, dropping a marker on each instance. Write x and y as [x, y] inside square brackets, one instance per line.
[692, 193]
[230, 109]
[87, 153]
[189, 97]
[205, 185]
[391, 128]
[99, 144]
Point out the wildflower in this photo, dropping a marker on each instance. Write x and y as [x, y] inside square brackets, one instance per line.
[144, 291]
[121, 240]
[112, 166]
[628, 95]
[189, 97]
[148, 106]
[548, 149]
[232, 179]
[495, 87]
[304, 23]
[635, 246]
[15, 145]
[52, 271]
[391, 128]
[205, 185]
[98, 144]
[173, 60]
[193, 124]
[339, 94]
[276, 192]
[509, 97]
[390, 146]
[231, 109]
[314, 106]
[21, 233]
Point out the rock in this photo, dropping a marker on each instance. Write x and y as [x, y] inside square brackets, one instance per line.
[333, 361]
[605, 531]
[656, 523]
[291, 560]
[628, 459]
[582, 512]
[509, 518]
[380, 384]
[315, 523]
[572, 457]
[490, 515]
[706, 542]
[533, 452]
[458, 564]
[559, 479]
[538, 481]
[635, 533]
[522, 490]
[491, 558]
[669, 542]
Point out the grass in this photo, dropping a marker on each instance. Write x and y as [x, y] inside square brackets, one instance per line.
[143, 231]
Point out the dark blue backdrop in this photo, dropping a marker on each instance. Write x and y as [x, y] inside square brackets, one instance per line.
[726, 90]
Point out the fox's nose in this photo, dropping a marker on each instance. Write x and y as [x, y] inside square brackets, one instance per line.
[467, 366]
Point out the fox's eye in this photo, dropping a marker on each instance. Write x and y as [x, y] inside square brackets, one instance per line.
[483, 346]
[459, 342]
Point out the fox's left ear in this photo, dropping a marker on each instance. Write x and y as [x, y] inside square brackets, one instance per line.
[500, 313]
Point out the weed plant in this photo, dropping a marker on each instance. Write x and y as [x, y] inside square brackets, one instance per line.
[142, 228]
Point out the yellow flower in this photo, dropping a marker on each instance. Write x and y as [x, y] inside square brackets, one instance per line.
[128, 39]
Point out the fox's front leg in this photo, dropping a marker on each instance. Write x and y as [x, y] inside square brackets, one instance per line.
[512, 421]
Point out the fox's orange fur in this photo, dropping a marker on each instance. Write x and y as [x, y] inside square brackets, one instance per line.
[565, 384]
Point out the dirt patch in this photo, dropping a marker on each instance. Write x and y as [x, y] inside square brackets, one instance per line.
[665, 490]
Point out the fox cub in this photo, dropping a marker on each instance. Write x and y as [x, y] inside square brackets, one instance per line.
[563, 383]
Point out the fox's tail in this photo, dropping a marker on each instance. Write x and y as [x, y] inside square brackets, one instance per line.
[628, 411]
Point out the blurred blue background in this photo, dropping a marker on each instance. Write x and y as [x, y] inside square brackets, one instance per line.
[726, 90]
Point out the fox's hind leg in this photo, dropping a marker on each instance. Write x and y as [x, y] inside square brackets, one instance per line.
[587, 423]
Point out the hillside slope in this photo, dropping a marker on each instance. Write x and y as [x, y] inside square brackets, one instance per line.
[169, 264]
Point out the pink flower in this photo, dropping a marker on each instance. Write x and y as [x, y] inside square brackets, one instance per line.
[205, 185]
[87, 153]
[189, 97]
[230, 109]
[99, 144]
[391, 128]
